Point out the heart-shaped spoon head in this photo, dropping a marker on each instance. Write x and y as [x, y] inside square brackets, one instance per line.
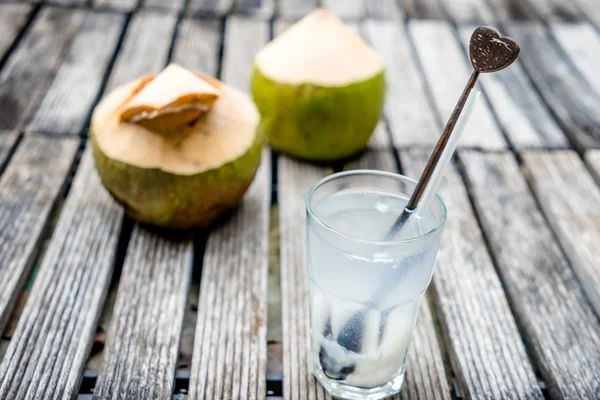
[489, 51]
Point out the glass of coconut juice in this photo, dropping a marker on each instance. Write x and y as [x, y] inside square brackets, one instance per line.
[365, 287]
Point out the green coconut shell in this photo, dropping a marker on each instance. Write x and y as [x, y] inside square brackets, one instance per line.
[166, 199]
[319, 123]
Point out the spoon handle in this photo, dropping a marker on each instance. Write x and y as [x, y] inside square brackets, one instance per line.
[434, 159]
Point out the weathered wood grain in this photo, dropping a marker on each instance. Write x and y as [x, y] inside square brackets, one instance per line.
[447, 72]
[294, 181]
[257, 8]
[50, 345]
[172, 5]
[556, 10]
[559, 323]
[229, 358]
[469, 11]
[424, 9]
[485, 348]
[30, 67]
[8, 139]
[581, 42]
[145, 49]
[70, 2]
[29, 187]
[142, 344]
[197, 46]
[66, 106]
[143, 339]
[383, 9]
[141, 352]
[425, 375]
[572, 100]
[210, 8]
[569, 197]
[592, 158]
[590, 11]
[120, 5]
[407, 109]
[244, 37]
[295, 9]
[511, 10]
[380, 138]
[520, 110]
[347, 9]
[12, 20]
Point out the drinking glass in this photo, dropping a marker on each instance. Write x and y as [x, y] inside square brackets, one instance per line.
[365, 289]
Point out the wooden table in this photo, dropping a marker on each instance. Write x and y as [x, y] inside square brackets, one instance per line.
[93, 304]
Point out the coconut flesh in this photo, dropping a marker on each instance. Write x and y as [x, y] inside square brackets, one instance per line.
[319, 88]
[176, 149]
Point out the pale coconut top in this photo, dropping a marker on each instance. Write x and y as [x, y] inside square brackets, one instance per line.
[321, 50]
[185, 123]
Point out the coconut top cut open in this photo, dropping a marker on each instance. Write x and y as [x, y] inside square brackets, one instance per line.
[178, 121]
[319, 49]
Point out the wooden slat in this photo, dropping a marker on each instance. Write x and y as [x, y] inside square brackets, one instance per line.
[590, 11]
[70, 2]
[506, 10]
[142, 345]
[380, 138]
[569, 197]
[229, 358]
[423, 9]
[143, 339]
[12, 19]
[210, 7]
[383, 9]
[197, 45]
[173, 5]
[120, 5]
[574, 102]
[556, 10]
[592, 158]
[294, 181]
[295, 9]
[485, 348]
[52, 340]
[29, 187]
[581, 42]
[8, 139]
[469, 11]
[347, 9]
[425, 375]
[258, 8]
[28, 70]
[447, 72]
[520, 110]
[66, 106]
[230, 353]
[407, 109]
[546, 297]
[145, 49]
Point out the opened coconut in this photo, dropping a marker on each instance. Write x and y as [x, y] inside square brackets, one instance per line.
[319, 88]
[177, 149]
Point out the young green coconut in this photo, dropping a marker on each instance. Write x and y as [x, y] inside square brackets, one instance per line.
[319, 88]
[177, 149]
